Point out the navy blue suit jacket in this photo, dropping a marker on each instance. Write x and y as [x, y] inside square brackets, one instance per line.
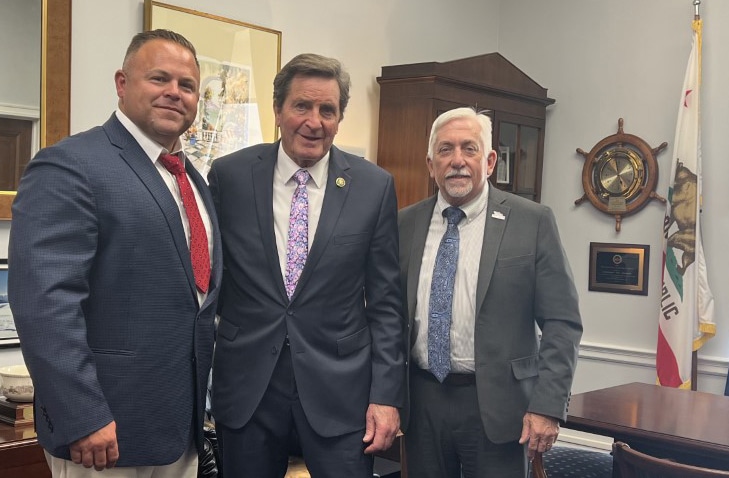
[344, 320]
[103, 295]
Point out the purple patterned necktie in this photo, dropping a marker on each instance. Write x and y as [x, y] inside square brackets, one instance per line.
[441, 297]
[297, 246]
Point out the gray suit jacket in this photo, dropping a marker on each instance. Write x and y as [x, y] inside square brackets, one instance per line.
[102, 290]
[344, 320]
[523, 279]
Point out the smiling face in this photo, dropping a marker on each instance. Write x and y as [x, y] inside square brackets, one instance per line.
[309, 118]
[460, 165]
[158, 90]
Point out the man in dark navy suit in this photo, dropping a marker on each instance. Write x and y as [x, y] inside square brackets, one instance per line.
[115, 313]
[310, 334]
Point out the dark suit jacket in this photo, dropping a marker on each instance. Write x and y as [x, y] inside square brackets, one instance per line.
[523, 279]
[344, 319]
[102, 290]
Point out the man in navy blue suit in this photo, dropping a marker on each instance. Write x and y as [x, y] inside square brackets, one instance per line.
[321, 355]
[114, 313]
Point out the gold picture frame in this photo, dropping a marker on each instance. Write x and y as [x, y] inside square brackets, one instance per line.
[238, 62]
[55, 102]
[619, 268]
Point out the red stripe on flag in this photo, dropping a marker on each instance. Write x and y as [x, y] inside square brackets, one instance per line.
[666, 366]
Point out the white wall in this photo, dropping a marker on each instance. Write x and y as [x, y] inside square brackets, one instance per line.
[601, 60]
[624, 59]
[365, 39]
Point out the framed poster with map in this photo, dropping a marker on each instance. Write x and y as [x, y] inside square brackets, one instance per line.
[238, 62]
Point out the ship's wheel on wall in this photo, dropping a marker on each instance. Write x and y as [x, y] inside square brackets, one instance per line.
[620, 174]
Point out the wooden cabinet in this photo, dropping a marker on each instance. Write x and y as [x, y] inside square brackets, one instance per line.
[20, 454]
[412, 96]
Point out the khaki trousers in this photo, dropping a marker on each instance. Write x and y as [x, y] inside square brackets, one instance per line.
[185, 467]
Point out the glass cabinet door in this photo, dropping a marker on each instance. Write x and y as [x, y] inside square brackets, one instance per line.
[518, 161]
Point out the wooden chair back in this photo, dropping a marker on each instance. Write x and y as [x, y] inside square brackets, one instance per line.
[538, 467]
[634, 464]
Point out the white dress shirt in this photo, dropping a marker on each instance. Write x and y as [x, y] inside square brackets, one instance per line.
[463, 318]
[284, 186]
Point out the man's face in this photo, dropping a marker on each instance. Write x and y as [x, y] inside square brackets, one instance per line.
[459, 164]
[309, 118]
[158, 90]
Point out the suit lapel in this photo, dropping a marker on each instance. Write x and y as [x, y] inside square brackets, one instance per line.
[263, 195]
[420, 224]
[136, 158]
[334, 198]
[497, 214]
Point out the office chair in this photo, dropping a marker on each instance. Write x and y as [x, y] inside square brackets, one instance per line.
[634, 464]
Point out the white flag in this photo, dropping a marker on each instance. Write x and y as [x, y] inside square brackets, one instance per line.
[686, 318]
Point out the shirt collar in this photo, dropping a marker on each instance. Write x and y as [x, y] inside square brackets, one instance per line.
[287, 167]
[152, 148]
[472, 209]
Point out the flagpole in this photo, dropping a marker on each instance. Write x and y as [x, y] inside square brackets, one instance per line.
[695, 353]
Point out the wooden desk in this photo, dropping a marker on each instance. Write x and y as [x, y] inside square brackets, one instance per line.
[690, 427]
[20, 454]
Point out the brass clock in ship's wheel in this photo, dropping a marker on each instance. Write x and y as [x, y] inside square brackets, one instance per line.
[620, 174]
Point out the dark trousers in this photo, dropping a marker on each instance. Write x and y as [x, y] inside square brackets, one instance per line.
[261, 448]
[445, 436]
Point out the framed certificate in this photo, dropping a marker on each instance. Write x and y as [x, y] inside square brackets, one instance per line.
[619, 268]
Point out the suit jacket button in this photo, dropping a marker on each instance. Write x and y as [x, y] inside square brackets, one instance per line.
[274, 350]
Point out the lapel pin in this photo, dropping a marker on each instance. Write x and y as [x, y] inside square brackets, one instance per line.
[340, 182]
[498, 215]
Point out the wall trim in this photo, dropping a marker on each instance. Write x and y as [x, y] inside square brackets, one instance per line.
[19, 111]
[716, 366]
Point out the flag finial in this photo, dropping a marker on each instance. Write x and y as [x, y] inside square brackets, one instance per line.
[697, 3]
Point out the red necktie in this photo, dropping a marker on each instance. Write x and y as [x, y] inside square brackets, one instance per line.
[199, 252]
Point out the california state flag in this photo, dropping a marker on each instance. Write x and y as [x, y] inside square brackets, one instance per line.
[686, 318]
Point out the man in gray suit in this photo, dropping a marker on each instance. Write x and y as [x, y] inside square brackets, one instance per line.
[115, 266]
[310, 334]
[496, 385]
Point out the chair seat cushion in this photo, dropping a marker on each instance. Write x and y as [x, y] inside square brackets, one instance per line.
[568, 462]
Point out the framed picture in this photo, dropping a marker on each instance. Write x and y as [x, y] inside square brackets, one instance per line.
[238, 62]
[503, 166]
[8, 334]
[619, 268]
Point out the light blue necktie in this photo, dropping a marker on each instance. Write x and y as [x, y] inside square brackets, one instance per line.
[441, 297]
[297, 245]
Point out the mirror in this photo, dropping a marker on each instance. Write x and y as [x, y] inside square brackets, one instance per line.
[55, 101]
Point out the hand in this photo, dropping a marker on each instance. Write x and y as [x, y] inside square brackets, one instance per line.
[541, 431]
[383, 423]
[98, 449]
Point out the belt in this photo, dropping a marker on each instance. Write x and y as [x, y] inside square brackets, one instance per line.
[452, 379]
